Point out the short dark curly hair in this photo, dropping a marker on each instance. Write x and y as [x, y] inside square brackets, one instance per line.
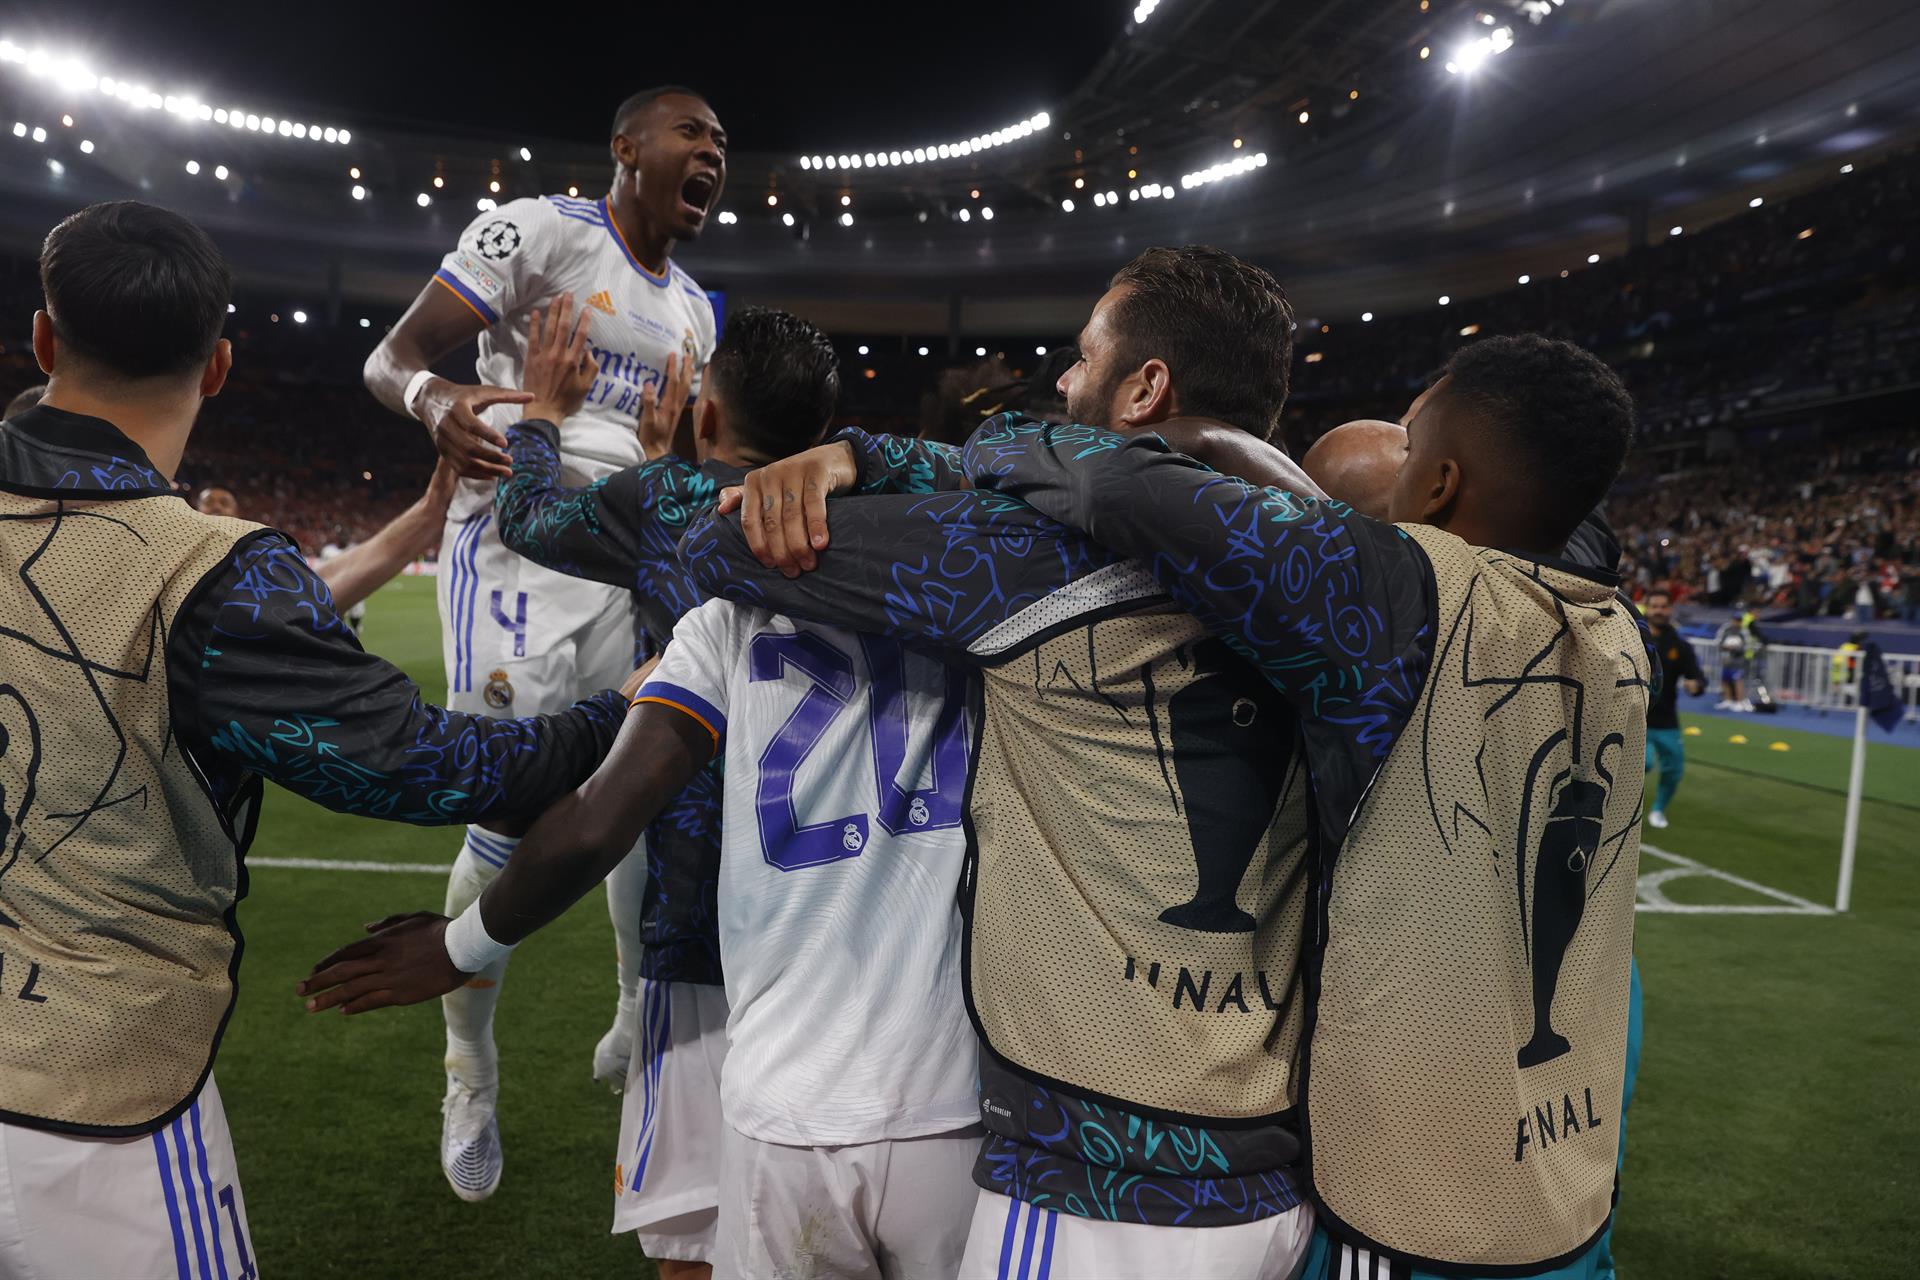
[779, 377]
[1223, 326]
[1563, 418]
[624, 113]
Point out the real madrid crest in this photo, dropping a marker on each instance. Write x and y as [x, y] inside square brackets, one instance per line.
[499, 691]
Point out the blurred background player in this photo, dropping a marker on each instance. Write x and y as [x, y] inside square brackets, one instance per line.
[517, 637]
[22, 402]
[1740, 640]
[769, 391]
[130, 779]
[1665, 748]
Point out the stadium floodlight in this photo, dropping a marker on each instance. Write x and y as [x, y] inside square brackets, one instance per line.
[1366, 317]
[1225, 169]
[365, 323]
[86, 146]
[39, 134]
[485, 205]
[1754, 203]
[1144, 10]
[19, 128]
[359, 192]
[1471, 55]
[845, 200]
[231, 308]
[1066, 206]
[1099, 200]
[1040, 351]
[423, 199]
[56, 167]
[786, 219]
[979, 351]
[438, 182]
[966, 215]
[923, 351]
[299, 317]
[1592, 258]
[1133, 193]
[1305, 116]
[286, 129]
[525, 154]
[220, 172]
[939, 151]
[253, 123]
[728, 217]
[494, 186]
[1166, 192]
[193, 166]
[1846, 168]
[863, 348]
[1113, 198]
[846, 219]
[1444, 299]
[1525, 279]
[300, 131]
[986, 212]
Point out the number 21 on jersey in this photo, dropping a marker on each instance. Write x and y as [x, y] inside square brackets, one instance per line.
[788, 840]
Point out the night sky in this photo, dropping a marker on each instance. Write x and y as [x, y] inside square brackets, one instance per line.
[782, 76]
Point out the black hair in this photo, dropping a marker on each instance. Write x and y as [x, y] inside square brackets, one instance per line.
[135, 290]
[1659, 591]
[624, 113]
[779, 377]
[1563, 418]
[1223, 327]
[24, 401]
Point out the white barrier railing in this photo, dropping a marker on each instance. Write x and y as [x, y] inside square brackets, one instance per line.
[1802, 676]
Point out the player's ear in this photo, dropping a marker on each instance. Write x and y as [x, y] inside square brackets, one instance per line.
[1143, 397]
[1442, 486]
[706, 418]
[219, 364]
[625, 154]
[43, 344]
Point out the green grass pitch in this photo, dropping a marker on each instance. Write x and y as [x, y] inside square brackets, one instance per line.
[1776, 1132]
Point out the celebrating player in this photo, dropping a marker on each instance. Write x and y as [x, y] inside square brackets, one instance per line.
[1471, 716]
[518, 637]
[158, 663]
[1666, 750]
[769, 391]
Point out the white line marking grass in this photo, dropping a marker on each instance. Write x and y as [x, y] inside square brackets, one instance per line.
[339, 864]
[1653, 897]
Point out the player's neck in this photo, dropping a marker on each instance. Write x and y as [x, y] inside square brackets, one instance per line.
[652, 246]
[740, 456]
[159, 424]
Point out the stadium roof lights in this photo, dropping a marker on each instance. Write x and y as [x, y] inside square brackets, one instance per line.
[1144, 10]
[1471, 55]
[922, 155]
[1226, 169]
[73, 75]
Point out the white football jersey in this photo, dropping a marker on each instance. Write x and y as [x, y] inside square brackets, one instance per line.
[528, 252]
[841, 850]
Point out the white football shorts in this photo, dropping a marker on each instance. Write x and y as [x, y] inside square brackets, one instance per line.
[667, 1170]
[163, 1205]
[1014, 1240]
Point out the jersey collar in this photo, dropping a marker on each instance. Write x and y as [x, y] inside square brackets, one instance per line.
[606, 213]
[53, 452]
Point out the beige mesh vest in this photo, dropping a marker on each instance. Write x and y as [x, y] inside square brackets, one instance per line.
[1140, 827]
[117, 873]
[1469, 1037]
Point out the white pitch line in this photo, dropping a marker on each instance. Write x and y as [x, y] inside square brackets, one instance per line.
[338, 864]
[1653, 899]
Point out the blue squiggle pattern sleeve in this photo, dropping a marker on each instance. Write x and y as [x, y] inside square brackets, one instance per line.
[1334, 608]
[284, 690]
[899, 464]
[937, 570]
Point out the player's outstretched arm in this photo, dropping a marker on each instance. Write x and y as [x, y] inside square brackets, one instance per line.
[786, 501]
[439, 323]
[358, 572]
[572, 848]
[1326, 603]
[936, 570]
[265, 676]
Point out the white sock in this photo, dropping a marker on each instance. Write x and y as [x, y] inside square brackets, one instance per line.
[625, 888]
[469, 1009]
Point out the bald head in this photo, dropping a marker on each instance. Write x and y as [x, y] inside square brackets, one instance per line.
[1357, 463]
[215, 501]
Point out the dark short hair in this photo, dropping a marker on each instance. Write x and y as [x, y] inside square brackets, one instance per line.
[1563, 418]
[779, 377]
[624, 113]
[1660, 591]
[1223, 327]
[135, 290]
[24, 401]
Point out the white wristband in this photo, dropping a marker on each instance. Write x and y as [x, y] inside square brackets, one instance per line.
[469, 945]
[415, 385]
